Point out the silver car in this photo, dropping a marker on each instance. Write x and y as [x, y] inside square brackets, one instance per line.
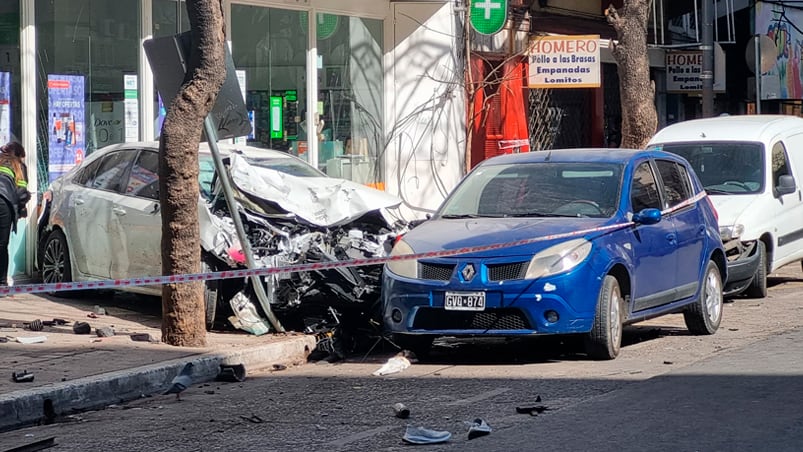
[102, 220]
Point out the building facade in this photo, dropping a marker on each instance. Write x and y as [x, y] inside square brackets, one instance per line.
[367, 91]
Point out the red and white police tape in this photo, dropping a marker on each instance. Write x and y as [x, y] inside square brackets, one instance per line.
[317, 266]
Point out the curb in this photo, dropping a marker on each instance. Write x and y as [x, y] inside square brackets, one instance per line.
[25, 407]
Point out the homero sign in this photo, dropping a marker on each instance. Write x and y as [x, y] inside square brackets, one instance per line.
[488, 16]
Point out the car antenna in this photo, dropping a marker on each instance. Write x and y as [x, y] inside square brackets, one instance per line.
[548, 155]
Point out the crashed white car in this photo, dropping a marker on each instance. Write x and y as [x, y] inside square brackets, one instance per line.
[102, 220]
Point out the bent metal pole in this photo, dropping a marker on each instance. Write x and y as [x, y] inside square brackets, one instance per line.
[223, 175]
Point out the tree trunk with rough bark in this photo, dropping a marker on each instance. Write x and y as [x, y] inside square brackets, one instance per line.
[183, 313]
[637, 91]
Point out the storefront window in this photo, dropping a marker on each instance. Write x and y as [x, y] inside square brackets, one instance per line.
[269, 48]
[10, 78]
[350, 97]
[169, 18]
[87, 57]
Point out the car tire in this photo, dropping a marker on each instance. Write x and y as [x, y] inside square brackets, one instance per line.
[605, 338]
[211, 298]
[704, 316]
[758, 287]
[55, 266]
[421, 345]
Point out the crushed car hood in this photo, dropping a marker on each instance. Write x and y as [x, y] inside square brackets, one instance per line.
[321, 201]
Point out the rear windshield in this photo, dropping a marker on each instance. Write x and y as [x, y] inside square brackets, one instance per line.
[724, 168]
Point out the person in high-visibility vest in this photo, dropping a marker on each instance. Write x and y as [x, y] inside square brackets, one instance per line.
[14, 191]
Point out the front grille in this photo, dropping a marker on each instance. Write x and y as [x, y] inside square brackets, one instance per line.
[436, 272]
[504, 272]
[492, 319]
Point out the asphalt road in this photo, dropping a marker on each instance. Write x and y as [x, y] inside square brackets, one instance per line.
[739, 389]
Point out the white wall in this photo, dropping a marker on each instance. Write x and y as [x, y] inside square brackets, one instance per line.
[425, 124]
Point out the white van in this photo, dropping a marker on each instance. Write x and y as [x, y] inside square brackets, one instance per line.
[752, 168]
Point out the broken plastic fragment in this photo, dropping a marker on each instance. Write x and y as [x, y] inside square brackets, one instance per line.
[22, 377]
[394, 365]
[32, 340]
[245, 315]
[237, 255]
[421, 435]
[478, 428]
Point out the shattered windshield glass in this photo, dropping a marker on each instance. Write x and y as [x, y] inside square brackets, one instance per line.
[544, 189]
[724, 168]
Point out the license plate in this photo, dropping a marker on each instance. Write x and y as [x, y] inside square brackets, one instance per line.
[464, 301]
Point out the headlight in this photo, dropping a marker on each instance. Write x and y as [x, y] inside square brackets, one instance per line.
[731, 232]
[559, 258]
[407, 268]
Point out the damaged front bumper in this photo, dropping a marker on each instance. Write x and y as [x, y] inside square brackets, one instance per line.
[291, 221]
[743, 261]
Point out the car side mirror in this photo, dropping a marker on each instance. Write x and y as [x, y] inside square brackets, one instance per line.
[647, 216]
[786, 185]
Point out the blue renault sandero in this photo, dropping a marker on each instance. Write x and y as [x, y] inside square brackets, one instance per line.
[579, 241]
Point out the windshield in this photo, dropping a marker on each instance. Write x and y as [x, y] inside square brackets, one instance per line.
[542, 189]
[287, 165]
[724, 168]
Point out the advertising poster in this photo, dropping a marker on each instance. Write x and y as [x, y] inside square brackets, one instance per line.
[131, 103]
[5, 107]
[65, 100]
[564, 62]
[785, 79]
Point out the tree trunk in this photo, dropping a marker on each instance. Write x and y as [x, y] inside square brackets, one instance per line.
[183, 313]
[636, 90]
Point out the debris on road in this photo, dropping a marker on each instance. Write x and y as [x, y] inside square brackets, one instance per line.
[142, 337]
[401, 411]
[105, 331]
[231, 372]
[394, 365]
[81, 328]
[254, 419]
[22, 377]
[421, 435]
[478, 428]
[31, 339]
[35, 325]
[532, 410]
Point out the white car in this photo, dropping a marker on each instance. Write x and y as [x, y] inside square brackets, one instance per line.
[752, 168]
[102, 220]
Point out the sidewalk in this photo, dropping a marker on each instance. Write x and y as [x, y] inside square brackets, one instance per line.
[83, 371]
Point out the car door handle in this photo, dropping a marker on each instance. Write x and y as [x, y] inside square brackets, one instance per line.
[155, 209]
[701, 230]
[118, 211]
[671, 238]
[79, 201]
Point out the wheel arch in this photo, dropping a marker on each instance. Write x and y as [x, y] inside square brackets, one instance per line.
[619, 271]
[42, 239]
[769, 248]
[722, 263]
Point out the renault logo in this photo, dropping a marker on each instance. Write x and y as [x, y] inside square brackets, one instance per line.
[468, 272]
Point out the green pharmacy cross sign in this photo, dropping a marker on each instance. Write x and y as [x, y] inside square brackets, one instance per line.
[488, 16]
